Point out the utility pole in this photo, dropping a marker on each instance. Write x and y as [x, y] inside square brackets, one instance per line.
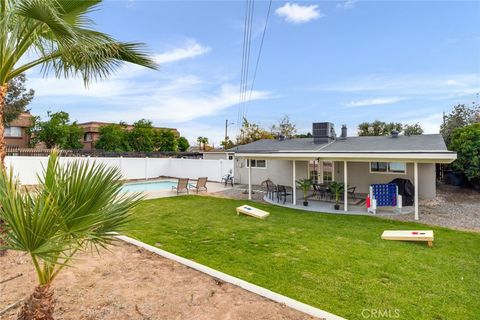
[226, 133]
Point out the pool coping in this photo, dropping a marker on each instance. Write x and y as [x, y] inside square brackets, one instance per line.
[276, 297]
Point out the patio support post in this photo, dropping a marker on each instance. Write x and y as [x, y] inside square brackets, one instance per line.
[294, 187]
[249, 179]
[345, 186]
[415, 178]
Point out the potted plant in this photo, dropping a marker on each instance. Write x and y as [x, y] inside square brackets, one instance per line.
[337, 188]
[304, 185]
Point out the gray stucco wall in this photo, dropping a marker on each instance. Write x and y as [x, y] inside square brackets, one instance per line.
[359, 175]
[280, 172]
[215, 156]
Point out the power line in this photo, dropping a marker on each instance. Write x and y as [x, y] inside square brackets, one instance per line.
[247, 36]
[260, 50]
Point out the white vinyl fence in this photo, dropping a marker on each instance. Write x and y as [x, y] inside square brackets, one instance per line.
[27, 168]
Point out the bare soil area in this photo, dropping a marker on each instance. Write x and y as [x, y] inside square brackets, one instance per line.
[454, 207]
[132, 283]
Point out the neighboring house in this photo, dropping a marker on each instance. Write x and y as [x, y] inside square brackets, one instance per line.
[358, 161]
[16, 135]
[91, 132]
[217, 155]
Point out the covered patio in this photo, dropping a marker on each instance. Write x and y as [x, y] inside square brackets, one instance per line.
[352, 170]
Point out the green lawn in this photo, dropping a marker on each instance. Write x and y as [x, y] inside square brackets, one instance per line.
[337, 263]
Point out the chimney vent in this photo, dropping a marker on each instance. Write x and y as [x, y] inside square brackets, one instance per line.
[323, 132]
[344, 132]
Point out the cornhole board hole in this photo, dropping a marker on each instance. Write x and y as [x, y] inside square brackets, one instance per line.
[409, 235]
[251, 211]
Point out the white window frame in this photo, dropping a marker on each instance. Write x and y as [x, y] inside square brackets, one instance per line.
[9, 134]
[387, 166]
[247, 163]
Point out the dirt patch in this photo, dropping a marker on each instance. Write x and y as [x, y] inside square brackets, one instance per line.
[454, 207]
[132, 283]
[240, 192]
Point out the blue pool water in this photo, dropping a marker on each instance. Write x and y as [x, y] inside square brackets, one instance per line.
[149, 186]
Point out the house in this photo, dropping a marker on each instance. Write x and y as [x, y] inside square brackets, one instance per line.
[91, 132]
[356, 161]
[16, 132]
[218, 155]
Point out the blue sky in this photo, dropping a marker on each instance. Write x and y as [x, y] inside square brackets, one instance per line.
[344, 62]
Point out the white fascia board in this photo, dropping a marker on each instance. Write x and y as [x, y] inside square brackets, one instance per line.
[425, 157]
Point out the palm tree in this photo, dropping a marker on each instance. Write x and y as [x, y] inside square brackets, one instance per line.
[77, 206]
[57, 35]
[202, 141]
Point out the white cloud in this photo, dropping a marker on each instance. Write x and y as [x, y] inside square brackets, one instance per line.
[175, 106]
[373, 101]
[191, 49]
[295, 13]
[349, 4]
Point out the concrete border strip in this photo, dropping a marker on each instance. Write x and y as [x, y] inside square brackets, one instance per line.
[276, 297]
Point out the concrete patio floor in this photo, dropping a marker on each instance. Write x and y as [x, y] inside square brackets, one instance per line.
[328, 207]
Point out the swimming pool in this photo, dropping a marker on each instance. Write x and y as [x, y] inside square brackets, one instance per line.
[149, 186]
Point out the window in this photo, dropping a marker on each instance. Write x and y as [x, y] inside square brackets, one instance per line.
[87, 137]
[388, 167]
[13, 132]
[257, 163]
[327, 171]
[230, 157]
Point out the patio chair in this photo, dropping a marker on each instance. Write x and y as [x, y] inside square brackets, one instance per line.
[282, 193]
[228, 178]
[271, 189]
[201, 185]
[351, 192]
[182, 185]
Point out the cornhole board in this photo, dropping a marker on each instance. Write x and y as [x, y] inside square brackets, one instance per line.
[409, 235]
[251, 211]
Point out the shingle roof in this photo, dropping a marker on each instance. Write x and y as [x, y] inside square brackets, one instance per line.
[417, 143]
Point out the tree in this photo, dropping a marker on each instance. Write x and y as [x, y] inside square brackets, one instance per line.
[466, 142]
[183, 144]
[378, 128]
[228, 144]
[17, 98]
[141, 136]
[202, 142]
[113, 137]
[57, 131]
[57, 35]
[251, 132]
[77, 207]
[285, 128]
[165, 140]
[461, 116]
[412, 129]
[304, 135]
[74, 135]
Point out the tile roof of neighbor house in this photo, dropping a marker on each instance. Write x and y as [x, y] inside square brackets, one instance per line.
[365, 144]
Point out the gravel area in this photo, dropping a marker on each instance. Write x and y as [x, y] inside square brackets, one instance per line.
[454, 207]
[131, 283]
[240, 192]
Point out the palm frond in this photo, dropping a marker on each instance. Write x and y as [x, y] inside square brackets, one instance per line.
[78, 205]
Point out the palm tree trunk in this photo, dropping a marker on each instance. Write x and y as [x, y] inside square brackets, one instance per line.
[39, 306]
[3, 151]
